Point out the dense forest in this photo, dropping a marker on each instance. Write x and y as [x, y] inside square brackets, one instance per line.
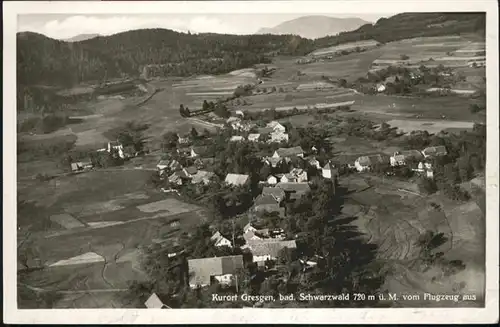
[410, 25]
[42, 60]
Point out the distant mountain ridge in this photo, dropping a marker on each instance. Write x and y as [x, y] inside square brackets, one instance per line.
[81, 37]
[314, 27]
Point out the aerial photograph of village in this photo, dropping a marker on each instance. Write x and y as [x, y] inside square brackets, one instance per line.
[251, 160]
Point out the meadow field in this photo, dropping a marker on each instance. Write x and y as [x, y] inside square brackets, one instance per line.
[394, 220]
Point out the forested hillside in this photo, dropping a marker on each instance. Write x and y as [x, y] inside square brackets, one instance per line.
[46, 61]
[42, 60]
[410, 25]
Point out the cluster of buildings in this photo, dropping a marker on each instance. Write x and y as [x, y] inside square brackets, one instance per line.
[273, 132]
[121, 151]
[403, 158]
[195, 173]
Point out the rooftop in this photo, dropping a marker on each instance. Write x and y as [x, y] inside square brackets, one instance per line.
[288, 152]
[264, 200]
[236, 179]
[435, 150]
[269, 247]
[276, 192]
[201, 270]
[294, 187]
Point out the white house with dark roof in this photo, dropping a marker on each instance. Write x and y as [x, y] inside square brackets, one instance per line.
[278, 137]
[365, 163]
[327, 170]
[401, 158]
[220, 240]
[114, 145]
[272, 161]
[276, 126]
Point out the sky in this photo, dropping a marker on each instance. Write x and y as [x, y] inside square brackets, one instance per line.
[63, 26]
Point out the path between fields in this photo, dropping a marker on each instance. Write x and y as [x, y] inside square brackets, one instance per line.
[86, 229]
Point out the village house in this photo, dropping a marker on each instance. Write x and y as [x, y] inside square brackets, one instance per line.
[154, 302]
[234, 122]
[237, 179]
[204, 272]
[162, 165]
[278, 137]
[177, 177]
[266, 203]
[380, 88]
[254, 137]
[314, 163]
[239, 113]
[182, 139]
[289, 152]
[272, 161]
[276, 126]
[425, 167]
[184, 152]
[434, 151]
[296, 175]
[117, 146]
[249, 227]
[198, 151]
[198, 162]
[277, 193]
[329, 171]
[190, 171]
[299, 174]
[365, 163]
[265, 131]
[202, 176]
[251, 233]
[236, 138]
[81, 166]
[272, 180]
[268, 249]
[401, 158]
[288, 178]
[294, 190]
[220, 240]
